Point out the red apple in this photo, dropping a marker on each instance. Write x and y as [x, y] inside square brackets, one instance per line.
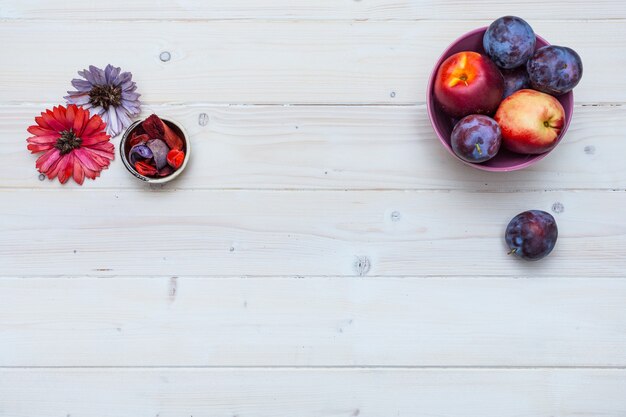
[468, 83]
[530, 121]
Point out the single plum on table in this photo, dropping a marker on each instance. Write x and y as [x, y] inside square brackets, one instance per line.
[514, 80]
[531, 235]
[509, 42]
[555, 69]
[476, 138]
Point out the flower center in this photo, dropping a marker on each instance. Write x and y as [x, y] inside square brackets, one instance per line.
[105, 96]
[67, 142]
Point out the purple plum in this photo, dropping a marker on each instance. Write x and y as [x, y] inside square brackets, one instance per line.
[555, 69]
[476, 138]
[531, 235]
[514, 80]
[509, 42]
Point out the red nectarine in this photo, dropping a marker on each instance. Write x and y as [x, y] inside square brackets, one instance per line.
[468, 83]
[530, 121]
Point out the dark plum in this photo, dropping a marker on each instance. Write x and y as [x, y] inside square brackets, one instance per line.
[476, 138]
[509, 42]
[531, 235]
[555, 69]
[514, 80]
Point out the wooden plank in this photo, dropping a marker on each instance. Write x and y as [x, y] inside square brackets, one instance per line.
[312, 393]
[312, 322]
[338, 147]
[275, 62]
[306, 9]
[72, 232]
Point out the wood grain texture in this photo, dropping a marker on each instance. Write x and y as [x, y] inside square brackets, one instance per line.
[306, 9]
[338, 147]
[387, 233]
[311, 62]
[312, 322]
[255, 286]
[313, 393]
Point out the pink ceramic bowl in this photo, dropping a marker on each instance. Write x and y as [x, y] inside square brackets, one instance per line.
[443, 124]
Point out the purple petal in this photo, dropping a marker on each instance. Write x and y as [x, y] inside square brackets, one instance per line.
[111, 74]
[159, 151]
[81, 85]
[98, 75]
[138, 152]
[123, 116]
[78, 99]
[131, 108]
[88, 76]
[114, 126]
[129, 96]
[124, 78]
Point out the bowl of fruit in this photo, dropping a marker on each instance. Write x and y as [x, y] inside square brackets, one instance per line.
[500, 97]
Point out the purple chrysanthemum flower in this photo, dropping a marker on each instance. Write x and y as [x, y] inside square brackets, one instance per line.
[108, 93]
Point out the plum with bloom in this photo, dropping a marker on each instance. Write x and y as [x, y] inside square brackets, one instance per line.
[74, 144]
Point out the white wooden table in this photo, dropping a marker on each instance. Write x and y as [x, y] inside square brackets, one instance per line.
[322, 255]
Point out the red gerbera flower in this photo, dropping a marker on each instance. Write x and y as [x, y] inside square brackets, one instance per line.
[74, 144]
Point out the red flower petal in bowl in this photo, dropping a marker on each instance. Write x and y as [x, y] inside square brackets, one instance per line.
[175, 158]
[145, 169]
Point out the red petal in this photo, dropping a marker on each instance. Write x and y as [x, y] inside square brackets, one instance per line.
[36, 147]
[48, 160]
[79, 174]
[137, 139]
[101, 161]
[94, 150]
[145, 169]
[79, 121]
[66, 167]
[70, 114]
[42, 123]
[103, 146]
[59, 113]
[153, 126]
[43, 139]
[94, 125]
[92, 140]
[86, 159]
[56, 167]
[172, 139]
[175, 158]
[40, 131]
[49, 118]
[91, 174]
[165, 171]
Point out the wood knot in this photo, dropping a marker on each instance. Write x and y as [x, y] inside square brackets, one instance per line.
[362, 265]
[173, 289]
[558, 207]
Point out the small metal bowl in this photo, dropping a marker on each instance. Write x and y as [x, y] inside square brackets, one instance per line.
[125, 148]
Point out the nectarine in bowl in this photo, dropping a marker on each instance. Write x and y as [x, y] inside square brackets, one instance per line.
[443, 123]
